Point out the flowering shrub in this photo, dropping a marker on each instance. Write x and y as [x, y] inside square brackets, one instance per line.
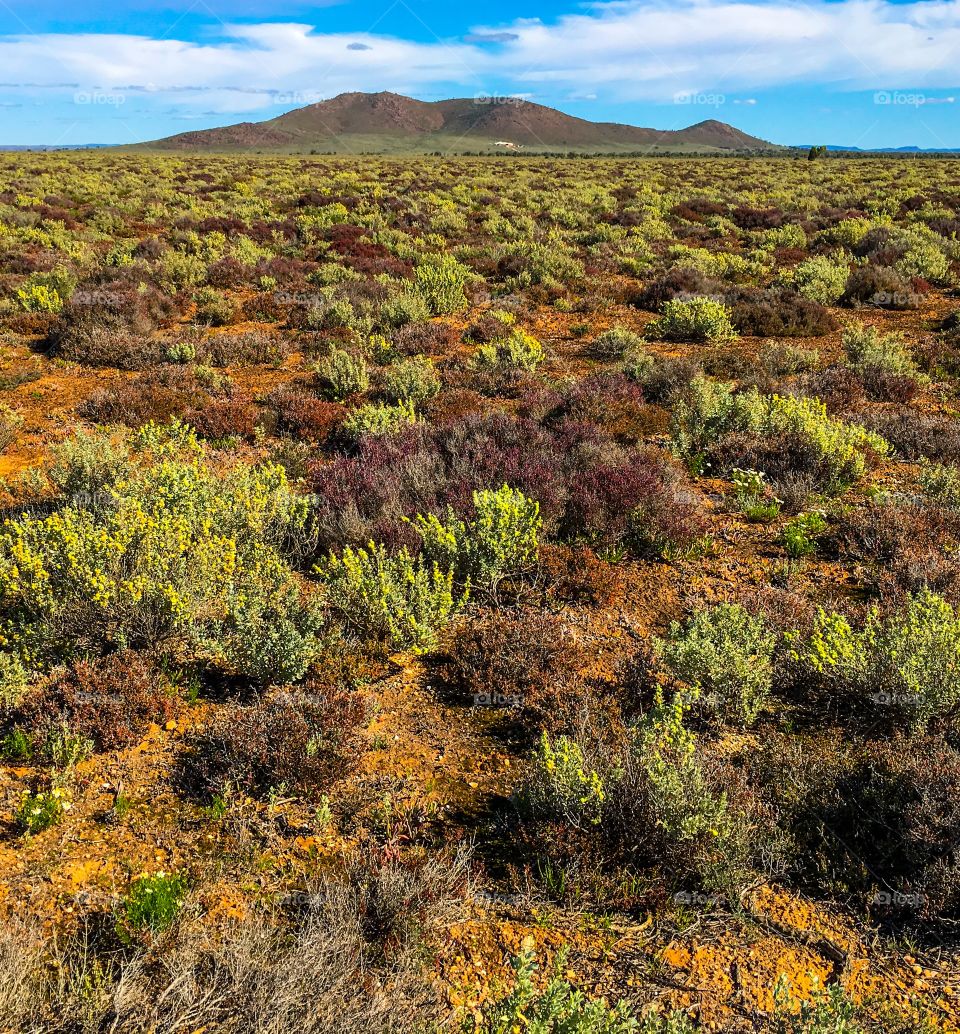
[376, 418]
[698, 319]
[908, 662]
[174, 549]
[397, 599]
[562, 785]
[440, 280]
[41, 810]
[501, 539]
[518, 350]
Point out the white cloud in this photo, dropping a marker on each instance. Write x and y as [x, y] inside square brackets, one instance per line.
[620, 50]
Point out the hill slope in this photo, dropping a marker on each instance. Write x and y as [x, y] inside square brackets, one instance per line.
[392, 123]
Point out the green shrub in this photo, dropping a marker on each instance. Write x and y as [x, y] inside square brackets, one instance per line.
[908, 661]
[820, 278]
[87, 463]
[867, 349]
[267, 641]
[725, 657]
[799, 534]
[753, 495]
[14, 679]
[706, 411]
[617, 343]
[695, 319]
[441, 280]
[403, 309]
[414, 381]
[561, 784]
[709, 410]
[941, 482]
[41, 810]
[519, 350]
[343, 374]
[682, 805]
[176, 549]
[16, 746]
[377, 418]
[182, 352]
[501, 539]
[827, 1011]
[152, 903]
[560, 1008]
[397, 599]
[214, 307]
[47, 292]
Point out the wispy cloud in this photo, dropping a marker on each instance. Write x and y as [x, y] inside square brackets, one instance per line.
[624, 50]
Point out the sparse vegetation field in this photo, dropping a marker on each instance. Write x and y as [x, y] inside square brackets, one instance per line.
[489, 594]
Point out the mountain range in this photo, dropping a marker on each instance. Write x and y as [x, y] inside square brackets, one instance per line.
[391, 123]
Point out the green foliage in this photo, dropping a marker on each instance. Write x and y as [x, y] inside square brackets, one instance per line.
[683, 805]
[41, 810]
[414, 381]
[562, 785]
[152, 903]
[176, 549]
[214, 307]
[404, 308]
[941, 482]
[343, 374]
[821, 278]
[725, 657]
[518, 350]
[16, 746]
[558, 1008]
[47, 292]
[710, 409]
[182, 352]
[501, 539]
[397, 599]
[441, 280]
[14, 679]
[753, 495]
[867, 349]
[694, 319]
[799, 534]
[87, 463]
[827, 1011]
[908, 661]
[617, 343]
[378, 418]
[706, 411]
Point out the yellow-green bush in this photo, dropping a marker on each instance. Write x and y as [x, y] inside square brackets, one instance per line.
[518, 350]
[694, 319]
[172, 551]
[394, 598]
[501, 539]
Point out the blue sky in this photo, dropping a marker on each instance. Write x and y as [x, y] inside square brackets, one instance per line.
[870, 73]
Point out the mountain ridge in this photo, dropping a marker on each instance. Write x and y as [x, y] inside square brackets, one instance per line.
[394, 123]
